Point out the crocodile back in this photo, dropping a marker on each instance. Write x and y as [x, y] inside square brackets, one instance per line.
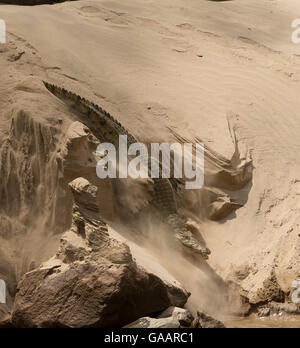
[109, 129]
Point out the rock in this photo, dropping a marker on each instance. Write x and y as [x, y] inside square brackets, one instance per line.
[5, 322]
[268, 292]
[220, 209]
[85, 193]
[87, 295]
[184, 316]
[151, 323]
[204, 321]
[7, 286]
[284, 308]
[91, 282]
[178, 296]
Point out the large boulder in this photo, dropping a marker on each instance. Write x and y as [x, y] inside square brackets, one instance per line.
[92, 281]
[87, 295]
[89, 290]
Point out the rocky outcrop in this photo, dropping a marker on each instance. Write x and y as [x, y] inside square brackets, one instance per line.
[36, 203]
[174, 318]
[271, 291]
[264, 292]
[94, 292]
[265, 297]
[278, 309]
[92, 281]
[85, 194]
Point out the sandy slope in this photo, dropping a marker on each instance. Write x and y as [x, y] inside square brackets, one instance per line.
[194, 67]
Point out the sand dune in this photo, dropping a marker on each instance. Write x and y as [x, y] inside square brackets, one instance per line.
[202, 69]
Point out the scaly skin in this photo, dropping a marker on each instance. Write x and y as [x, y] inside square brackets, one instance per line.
[108, 129]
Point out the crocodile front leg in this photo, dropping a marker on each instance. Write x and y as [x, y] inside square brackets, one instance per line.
[186, 237]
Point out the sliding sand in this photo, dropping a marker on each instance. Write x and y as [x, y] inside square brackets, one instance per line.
[201, 69]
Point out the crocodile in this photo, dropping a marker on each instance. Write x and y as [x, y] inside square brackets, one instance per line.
[108, 129]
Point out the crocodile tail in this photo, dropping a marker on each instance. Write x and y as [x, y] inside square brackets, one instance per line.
[92, 111]
[164, 197]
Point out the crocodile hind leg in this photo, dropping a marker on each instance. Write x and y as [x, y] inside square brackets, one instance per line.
[165, 200]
